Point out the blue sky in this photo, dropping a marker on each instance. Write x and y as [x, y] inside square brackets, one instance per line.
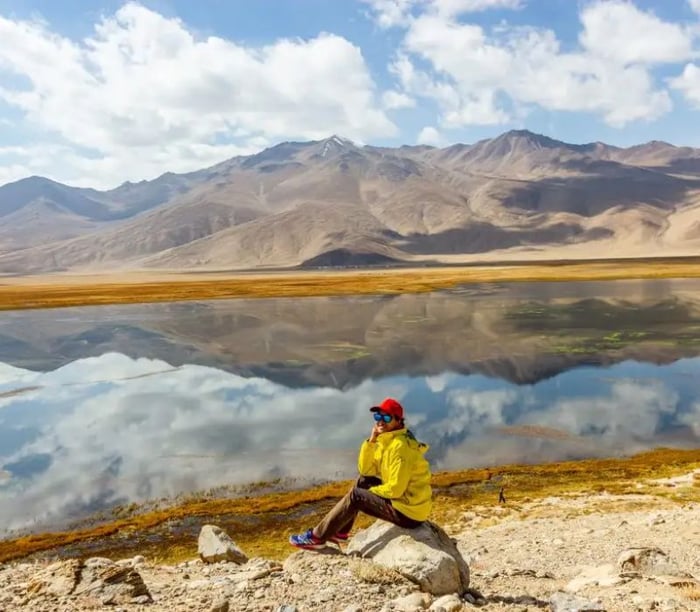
[97, 92]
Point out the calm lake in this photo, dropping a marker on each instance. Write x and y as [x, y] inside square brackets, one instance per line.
[116, 404]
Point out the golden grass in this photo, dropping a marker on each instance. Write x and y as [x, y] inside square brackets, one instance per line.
[369, 572]
[261, 524]
[58, 291]
[691, 592]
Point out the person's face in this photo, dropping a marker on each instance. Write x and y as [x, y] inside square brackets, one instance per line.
[386, 422]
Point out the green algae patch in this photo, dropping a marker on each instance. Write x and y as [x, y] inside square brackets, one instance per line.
[261, 523]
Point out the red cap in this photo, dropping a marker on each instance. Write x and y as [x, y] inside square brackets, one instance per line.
[389, 406]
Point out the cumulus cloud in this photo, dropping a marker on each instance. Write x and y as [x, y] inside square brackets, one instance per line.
[144, 94]
[458, 7]
[393, 100]
[430, 136]
[689, 84]
[390, 13]
[395, 13]
[695, 5]
[621, 33]
[491, 77]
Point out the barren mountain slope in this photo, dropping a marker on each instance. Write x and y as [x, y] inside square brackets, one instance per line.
[662, 156]
[332, 202]
[38, 211]
[40, 222]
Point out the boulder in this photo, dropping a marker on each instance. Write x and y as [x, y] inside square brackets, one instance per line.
[57, 579]
[111, 583]
[425, 555]
[216, 545]
[97, 577]
[646, 561]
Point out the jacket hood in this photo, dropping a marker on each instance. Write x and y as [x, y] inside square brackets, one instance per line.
[413, 442]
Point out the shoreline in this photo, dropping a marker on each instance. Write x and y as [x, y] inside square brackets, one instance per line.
[616, 547]
[261, 523]
[64, 290]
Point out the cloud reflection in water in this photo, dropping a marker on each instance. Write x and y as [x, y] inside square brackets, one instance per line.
[111, 429]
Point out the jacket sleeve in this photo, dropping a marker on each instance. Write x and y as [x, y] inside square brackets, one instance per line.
[366, 464]
[399, 465]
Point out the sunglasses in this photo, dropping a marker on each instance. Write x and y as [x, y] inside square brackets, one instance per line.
[380, 416]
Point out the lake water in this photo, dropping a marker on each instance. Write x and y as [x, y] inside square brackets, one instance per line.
[114, 404]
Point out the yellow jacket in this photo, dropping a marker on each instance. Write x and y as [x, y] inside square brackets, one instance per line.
[397, 458]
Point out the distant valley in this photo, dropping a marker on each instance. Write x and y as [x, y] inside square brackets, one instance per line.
[334, 203]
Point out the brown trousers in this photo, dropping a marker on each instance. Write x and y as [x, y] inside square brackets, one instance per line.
[358, 499]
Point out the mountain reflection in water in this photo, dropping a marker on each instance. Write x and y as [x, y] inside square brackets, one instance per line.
[110, 405]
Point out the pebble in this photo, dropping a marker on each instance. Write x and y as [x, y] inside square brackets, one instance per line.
[220, 605]
[415, 601]
[448, 603]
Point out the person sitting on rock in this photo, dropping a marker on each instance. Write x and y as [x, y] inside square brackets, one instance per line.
[394, 482]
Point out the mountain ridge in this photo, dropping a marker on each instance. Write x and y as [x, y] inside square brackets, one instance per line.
[310, 203]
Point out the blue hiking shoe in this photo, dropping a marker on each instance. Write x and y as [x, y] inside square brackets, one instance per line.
[307, 541]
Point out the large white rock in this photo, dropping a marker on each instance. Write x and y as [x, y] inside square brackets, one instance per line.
[97, 578]
[59, 578]
[112, 584]
[216, 545]
[425, 555]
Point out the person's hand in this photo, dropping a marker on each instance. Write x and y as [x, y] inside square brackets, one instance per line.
[376, 430]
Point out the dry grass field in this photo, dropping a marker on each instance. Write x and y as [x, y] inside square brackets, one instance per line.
[134, 287]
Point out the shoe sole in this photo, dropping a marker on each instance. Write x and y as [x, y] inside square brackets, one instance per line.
[308, 546]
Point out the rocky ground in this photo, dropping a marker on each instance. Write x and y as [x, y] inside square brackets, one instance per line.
[587, 552]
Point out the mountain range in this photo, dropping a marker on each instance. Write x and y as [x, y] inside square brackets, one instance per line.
[334, 203]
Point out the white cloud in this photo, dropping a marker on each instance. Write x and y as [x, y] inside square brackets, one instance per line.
[486, 78]
[695, 5]
[689, 83]
[390, 13]
[621, 33]
[146, 95]
[457, 7]
[394, 100]
[396, 13]
[430, 136]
